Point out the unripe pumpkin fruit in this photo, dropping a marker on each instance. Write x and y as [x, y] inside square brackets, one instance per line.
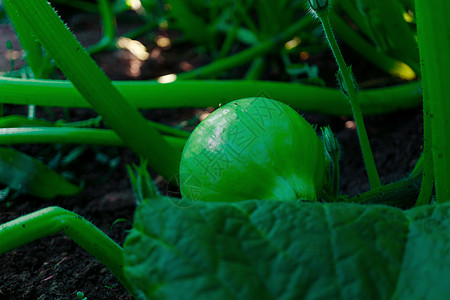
[253, 148]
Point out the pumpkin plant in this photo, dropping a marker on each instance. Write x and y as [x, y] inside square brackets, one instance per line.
[262, 243]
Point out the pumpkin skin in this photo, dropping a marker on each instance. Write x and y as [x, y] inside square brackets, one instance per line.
[253, 148]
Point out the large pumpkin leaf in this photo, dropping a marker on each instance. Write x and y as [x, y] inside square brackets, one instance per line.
[260, 249]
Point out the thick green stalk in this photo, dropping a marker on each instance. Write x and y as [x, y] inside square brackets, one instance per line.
[93, 84]
[350, 90]
[426, 188]
[433, 25]
[424, 165]
[52, 220]
[70, 135]
[151, 94]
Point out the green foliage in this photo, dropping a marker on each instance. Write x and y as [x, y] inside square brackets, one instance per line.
[259, 249]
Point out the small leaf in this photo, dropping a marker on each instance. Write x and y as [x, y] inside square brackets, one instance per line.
[28, 175]
[141, 182]
[342, 85]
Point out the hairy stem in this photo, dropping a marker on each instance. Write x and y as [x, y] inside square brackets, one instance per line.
[350, 91]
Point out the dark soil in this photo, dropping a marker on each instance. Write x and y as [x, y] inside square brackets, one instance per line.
[56, 268]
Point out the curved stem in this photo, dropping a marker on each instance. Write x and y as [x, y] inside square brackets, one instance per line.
[348, 84]
[55, 219]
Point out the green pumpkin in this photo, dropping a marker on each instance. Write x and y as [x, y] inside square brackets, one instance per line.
[253, 148]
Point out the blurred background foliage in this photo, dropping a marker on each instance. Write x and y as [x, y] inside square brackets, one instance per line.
[256, 37]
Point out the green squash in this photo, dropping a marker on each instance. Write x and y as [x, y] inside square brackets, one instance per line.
[253, 148]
